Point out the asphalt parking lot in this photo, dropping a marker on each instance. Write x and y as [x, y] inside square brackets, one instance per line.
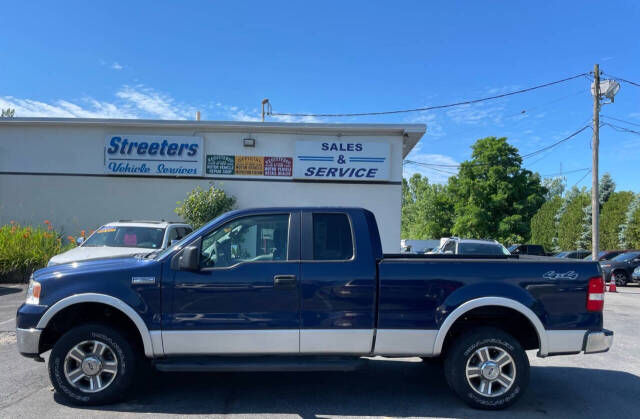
[584, 386]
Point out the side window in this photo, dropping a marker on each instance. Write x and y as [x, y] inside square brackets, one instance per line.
[173, 234]
[449, 246]
[255, 238]
[185, 231]
[332, 238]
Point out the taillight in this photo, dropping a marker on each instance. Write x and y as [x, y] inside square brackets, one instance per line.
[595, 294]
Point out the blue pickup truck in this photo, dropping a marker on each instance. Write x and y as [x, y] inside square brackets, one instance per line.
[278, 289]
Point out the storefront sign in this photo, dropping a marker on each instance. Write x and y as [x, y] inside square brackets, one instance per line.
[249, 165]
[220, 165]
[278, 166]
[342, 160]
[153, 155]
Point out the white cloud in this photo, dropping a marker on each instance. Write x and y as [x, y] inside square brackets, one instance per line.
[116, 66]
[434, 128]
[436, 174]
[477, 114]
[155, 104]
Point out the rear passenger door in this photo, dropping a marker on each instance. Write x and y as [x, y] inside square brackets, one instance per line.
[338, 284]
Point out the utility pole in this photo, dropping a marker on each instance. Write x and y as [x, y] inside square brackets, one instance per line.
[595, 198]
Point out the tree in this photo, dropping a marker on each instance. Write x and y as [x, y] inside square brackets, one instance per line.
[427, 210]
[7, 113]
[555, 187]
[570, 220]
[629, 236]
[543, 223]
[613, 216]
[201, 206]
[606, 188]
[494, 197]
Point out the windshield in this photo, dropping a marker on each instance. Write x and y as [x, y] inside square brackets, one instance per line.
[126, 236]
[512, 247]
[626, 256]
[184, 240]
[562, 254]
[482, 249]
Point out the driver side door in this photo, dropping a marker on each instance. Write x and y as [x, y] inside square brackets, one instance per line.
[244, 298]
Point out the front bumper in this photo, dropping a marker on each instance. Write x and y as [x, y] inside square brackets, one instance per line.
[595, 342]
[28, 341]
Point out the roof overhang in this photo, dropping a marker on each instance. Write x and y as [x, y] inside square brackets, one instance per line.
[411, 133]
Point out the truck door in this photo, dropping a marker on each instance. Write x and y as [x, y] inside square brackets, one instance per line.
[244, 298]
[338, 283]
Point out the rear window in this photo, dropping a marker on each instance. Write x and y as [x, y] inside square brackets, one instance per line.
[479, 249]
[332, 238]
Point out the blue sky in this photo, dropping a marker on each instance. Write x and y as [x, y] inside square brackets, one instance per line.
[168, 59]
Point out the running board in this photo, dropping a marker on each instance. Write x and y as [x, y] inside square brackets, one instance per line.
[258, 363]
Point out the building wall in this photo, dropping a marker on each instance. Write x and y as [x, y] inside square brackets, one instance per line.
[56, 173]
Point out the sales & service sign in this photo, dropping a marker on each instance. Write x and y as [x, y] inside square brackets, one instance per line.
[342, 160]
[153, 155]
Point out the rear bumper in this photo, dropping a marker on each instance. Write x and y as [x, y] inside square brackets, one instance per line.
[595, 342]
[28, 341]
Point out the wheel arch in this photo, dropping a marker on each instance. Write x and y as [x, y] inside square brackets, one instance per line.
[464, 308]
[108, 300]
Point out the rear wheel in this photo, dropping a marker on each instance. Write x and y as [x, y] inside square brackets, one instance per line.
[92, 364]
[487, 368]
[621, 278]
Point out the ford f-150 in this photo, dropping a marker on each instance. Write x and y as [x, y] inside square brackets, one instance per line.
[306, 289]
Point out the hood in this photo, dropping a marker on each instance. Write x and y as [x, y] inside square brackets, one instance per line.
[92, 266]
[86, 253]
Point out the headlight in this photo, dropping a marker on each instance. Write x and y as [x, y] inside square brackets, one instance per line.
[33, 292]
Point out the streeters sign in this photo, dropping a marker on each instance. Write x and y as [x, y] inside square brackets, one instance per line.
[342, 160]
[153, 155]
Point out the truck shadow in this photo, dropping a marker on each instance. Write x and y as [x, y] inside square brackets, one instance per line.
[382, 388]
[9, 290]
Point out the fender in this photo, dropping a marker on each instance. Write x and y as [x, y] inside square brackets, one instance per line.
[110, 301]
[491, 301]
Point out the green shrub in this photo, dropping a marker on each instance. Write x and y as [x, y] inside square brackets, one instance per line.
[25, 249]
[543, 224]
[201, 206]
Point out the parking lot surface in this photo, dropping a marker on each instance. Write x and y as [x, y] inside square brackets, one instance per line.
[584, 386]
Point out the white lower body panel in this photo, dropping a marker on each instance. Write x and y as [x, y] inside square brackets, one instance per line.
[401, 342]
[231, 342]
[336, 341]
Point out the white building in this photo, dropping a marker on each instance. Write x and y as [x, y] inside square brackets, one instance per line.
[81, 173]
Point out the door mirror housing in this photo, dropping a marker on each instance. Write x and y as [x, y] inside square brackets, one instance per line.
[190, 259]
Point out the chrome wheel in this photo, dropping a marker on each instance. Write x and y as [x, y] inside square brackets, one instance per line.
[490, 371]
[91, 366]
[620, 278]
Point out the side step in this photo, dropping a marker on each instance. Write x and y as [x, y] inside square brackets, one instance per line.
[258, 363]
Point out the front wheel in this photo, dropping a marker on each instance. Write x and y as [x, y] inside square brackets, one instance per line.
[92, 364]
[621, 278]
[487, 368]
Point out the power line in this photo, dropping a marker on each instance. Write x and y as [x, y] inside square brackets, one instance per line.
[525, 156]
[428, 166]
[582, 178]
[621, 129]
[620, 120]
[428, 108]
[566, 172]
[623, 80]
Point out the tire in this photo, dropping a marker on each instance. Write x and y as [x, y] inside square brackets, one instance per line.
[108, 361]
[621, 278]
[468, 351]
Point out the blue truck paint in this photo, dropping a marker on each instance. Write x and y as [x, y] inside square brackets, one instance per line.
[371, 291]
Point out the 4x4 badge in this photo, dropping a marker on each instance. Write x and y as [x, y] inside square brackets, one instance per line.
[560, 275]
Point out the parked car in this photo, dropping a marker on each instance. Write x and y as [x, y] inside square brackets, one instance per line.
[305, 289]
[527, 249]
[573, 254]
[123, 238]
[458, 246]
[606, 254]
[621, 267]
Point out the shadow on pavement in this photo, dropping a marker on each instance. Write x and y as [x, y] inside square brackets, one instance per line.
[9, 290]
[382, 388]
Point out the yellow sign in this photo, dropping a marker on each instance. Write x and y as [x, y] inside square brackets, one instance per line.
[249, 165]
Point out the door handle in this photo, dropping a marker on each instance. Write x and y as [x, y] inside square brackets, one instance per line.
[284, 281]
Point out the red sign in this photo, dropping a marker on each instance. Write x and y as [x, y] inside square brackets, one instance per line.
[278, 166]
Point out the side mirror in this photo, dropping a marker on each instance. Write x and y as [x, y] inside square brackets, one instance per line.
[79, 240]
[190, 259]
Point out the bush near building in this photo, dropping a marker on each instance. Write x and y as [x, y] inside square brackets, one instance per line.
[23, 249]
[202, 206]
